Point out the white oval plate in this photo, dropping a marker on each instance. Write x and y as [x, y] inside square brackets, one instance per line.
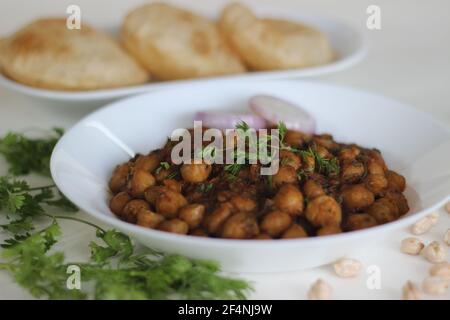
[348, 43]
[411, 141]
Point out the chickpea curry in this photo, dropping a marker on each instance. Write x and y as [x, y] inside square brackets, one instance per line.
[322, 187]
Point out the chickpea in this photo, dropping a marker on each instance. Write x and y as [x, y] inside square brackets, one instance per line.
[168, 202]
[195, 173]
[376, 183]
[312, 189]
[149, 219]
[360, 221]
[357, 197]
[199, 232]
[294, 231]
[329, 230]
[323, 211]
[132, 208]
[161, 175]
[325, 140]
[174, 225]
[399, 200]
[349, 153]
[241, 225]
[396, 182]
[309, 163]
[118, 202]
[276, 222]
[192, 214]
[214, 221]
[152, 193]
[352, 171]
[323, 152]
[295, 138]
[119, 177]
[290, 200]
[376, 156]
[285, 174]
[147, 163]
[223, 196]
[139, 182]
[262, 236]
[173, 185]
[289, 158]
[383, 210]
[374, 167]
[242, 203]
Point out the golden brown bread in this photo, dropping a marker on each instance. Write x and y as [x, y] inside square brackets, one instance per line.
[270, 44]
[46, 54]
[177, 44]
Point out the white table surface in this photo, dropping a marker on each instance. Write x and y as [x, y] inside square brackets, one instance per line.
[408, 60]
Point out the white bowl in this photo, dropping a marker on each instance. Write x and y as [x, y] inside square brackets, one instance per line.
[411, 141]
[347, 41]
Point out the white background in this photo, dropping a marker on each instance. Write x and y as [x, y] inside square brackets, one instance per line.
[408, 60]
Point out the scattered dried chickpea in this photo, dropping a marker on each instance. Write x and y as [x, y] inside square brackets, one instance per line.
[411, 292]
[435, 252]
[425, 224]
[441, 270]
[435, 285]
[347, 268]
[412, 246]
[320, 290]
[447, 237]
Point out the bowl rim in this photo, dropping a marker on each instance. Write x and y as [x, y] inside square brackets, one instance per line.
[242, 243]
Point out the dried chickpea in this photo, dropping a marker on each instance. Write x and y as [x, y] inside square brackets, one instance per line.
[320, 290]
[312, 189]
[118, 202]
[383, 210]
[352, 171]
[119, 177]
[294, 231]
[214, 221]
[435, 285]
[441, 270]
[357, 197]
[435, 252]
[192, 214]
[323, 211]
[289, 158]
[411, 292]
[285, 174]
[396, 182]
[149, 219]
[329, 230]
[241, 225]
[376, 183]
[139, 182]
[242, 203]
[168, 202]
[174, 226]
[412, 246]
[132, 208]
[147, 163]
[290, 200]
[425, 224]
[347, 268]
[276, 222]
[195, 173]
[359, 221]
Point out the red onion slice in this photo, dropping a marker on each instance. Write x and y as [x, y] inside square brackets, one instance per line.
[275, 110]
[222, 121]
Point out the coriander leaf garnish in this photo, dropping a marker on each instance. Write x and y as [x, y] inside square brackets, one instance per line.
[162, 166]
[205, 187]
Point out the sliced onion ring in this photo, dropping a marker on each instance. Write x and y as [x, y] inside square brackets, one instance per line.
[275, 110]
[222, 121]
